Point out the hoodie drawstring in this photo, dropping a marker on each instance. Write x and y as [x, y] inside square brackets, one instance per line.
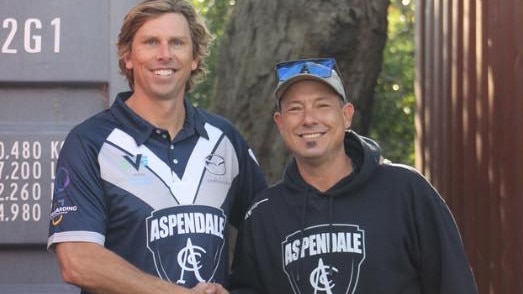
[331, 212]
[302, 228]
[330, 229]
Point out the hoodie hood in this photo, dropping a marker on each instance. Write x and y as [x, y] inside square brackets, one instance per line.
[365, 155]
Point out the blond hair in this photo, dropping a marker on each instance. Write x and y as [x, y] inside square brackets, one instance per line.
[151, 9]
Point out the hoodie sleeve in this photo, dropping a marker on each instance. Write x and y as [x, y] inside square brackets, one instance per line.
[245, 277]
[443, 265]
[250, 181]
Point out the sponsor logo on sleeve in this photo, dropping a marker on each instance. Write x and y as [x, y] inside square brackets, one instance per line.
[60, 199]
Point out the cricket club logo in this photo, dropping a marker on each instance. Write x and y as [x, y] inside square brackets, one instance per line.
[324, 259]
[186, 243]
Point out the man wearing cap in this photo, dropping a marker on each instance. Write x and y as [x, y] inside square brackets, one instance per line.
[341, 221]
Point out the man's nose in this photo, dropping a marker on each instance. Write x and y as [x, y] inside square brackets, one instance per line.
[309, 116]
[164, 51]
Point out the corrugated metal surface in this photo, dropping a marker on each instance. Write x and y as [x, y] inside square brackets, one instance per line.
[469, 127]
[57, 67]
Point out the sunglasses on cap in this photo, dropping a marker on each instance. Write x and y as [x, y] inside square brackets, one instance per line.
[320, 67]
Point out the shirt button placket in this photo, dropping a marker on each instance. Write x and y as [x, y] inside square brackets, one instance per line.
[171, 154]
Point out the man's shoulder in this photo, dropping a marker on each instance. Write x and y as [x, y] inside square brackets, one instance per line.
[267, 199]
[92, 131]
[95, 123]
[400, 171]
[407, 178]
[214, 119]
[223, 124]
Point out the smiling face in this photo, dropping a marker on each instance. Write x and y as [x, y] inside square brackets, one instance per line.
[161, 57]
[312, 122]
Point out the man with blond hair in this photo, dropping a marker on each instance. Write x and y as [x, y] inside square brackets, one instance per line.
[145, 190]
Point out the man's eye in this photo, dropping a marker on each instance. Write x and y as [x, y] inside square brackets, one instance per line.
[294, 109]
[177, 42]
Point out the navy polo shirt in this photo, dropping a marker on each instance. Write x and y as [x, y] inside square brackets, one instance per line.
[161, 203]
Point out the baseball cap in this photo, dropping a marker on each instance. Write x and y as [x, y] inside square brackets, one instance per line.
[320, 69]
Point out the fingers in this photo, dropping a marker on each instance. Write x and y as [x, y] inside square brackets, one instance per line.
[209, 288]
[219, 289]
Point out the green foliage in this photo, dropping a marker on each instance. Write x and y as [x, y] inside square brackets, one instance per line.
[394, 106]
[215, 14]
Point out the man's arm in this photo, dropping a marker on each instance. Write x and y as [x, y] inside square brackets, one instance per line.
[245, 278]
[98, 270]
[443, 264]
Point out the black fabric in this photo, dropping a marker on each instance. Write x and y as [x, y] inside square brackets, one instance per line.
[382, 229]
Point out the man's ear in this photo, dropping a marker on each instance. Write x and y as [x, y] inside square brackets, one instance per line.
[127, 61]
[277, 119]
[348, 113]
[195, 63]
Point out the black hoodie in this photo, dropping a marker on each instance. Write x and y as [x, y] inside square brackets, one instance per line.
[382, 229]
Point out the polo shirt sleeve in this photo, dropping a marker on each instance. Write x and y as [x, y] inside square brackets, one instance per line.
[78, 211]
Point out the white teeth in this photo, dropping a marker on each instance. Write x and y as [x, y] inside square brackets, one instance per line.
[311, 136]
[163, 72]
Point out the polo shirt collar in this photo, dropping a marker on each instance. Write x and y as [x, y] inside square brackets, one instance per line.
[141, 130]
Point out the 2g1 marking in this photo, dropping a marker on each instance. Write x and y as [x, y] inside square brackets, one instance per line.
[32, 41]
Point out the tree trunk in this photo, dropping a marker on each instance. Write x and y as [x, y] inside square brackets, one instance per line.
[263, 32]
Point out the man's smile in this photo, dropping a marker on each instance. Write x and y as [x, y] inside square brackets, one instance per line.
[164, 72]
[311, 135]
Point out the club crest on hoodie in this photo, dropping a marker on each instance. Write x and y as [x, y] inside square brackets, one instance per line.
[324, 258]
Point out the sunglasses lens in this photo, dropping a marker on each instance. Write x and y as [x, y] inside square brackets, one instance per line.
[319, 67]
